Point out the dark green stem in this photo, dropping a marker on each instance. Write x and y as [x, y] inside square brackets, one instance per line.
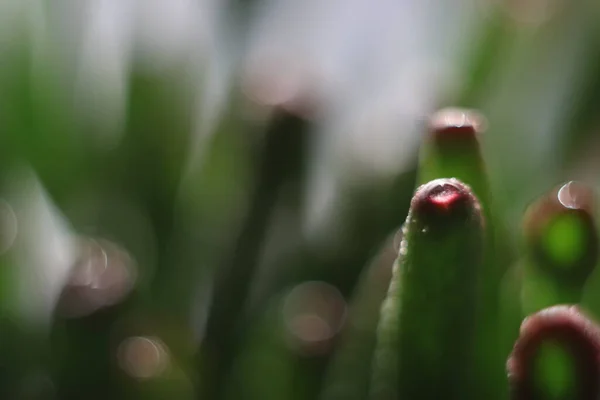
[283, 140]
[451, 149]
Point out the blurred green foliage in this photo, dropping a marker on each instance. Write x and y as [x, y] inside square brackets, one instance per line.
[178, 222]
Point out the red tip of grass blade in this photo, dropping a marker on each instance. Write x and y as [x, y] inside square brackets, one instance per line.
[446, 196]
[454, 123]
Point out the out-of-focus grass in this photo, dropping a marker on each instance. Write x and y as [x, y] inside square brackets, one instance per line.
[131, 127]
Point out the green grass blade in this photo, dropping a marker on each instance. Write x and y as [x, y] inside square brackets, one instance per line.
[451, 149]
[425, 346]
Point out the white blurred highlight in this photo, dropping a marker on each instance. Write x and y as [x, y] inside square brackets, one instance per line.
[105, 56]
[169, 31]
[44, 249]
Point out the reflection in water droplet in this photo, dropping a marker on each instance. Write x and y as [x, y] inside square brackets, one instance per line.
[398, 239]
[143, 357]
[575, 195]
[403, 243]
[103, 275]
[313, 313]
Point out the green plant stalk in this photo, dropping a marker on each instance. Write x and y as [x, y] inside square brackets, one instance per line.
[581, 118]
[38, 120]
[210, 202]
[284, 138]
[348, 375]
[493, 42]
[23, 346]
[83, 354]
[144, 168]
[511, 309]
[264, 353]
[149, 162]
[368, 213]
[451, 149]
[428, 321]
[89, 360]
[539, 291]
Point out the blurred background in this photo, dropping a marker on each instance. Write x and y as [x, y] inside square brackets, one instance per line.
[200, 198]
